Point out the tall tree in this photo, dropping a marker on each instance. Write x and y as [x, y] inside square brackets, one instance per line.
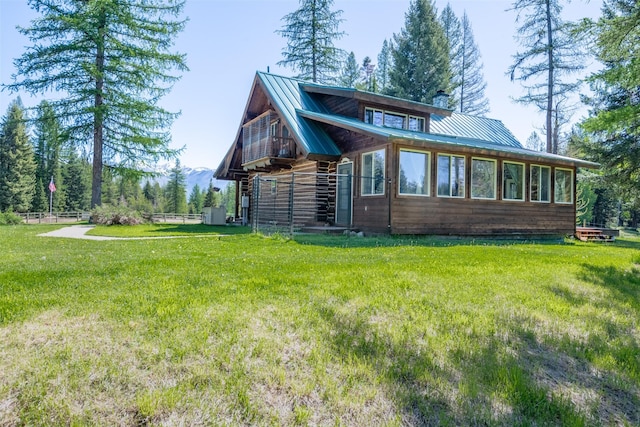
[76, 181]
[196, 200]
[550, 53]
[350, 74]
[310, 32]
[48, 147]
[17, 164]
[614, 119]
[368, 76]
[471, 78]
[176, 190]
[420, 55]
[453, 33]
[385, 64]
[112, 60]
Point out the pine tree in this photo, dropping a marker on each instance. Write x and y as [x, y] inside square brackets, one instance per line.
[111, 59]
[196, 200]
[550, 53]
[420, 55]
[49, 144]
[310, 32]
[17, 164]
[614, 120]
[368, 80]
[385, 64]
[213, 197]
[471, 78]
[76, 181]
[176, 190]
[350, 74]
[453, 33]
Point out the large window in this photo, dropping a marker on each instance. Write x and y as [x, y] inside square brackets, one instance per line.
[540, 183]
[563, 186]
[373, 173]
[414, 173]
[483, 179]
[512, 181]
[450, 176]
[393, 119]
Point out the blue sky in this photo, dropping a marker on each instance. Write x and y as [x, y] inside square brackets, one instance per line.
[227, 41]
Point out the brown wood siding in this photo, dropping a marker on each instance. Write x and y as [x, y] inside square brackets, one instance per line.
[339, 105]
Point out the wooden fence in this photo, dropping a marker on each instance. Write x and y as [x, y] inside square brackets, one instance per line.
[72, 217]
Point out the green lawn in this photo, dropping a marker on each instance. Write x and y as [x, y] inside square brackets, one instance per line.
[251, 330]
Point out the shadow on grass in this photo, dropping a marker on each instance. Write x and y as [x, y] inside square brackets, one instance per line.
[200, 229]
[340, 241]
[508, 377]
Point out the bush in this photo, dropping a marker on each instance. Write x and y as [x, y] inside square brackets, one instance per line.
[9, 218]
[115, 215]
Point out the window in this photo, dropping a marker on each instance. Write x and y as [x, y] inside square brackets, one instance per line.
[483, 179]
[416, 123]
[373, 173]
[414, 173]
[512, 181]
[450, 176]
[540, 183]
[563, 186]
[393, 119]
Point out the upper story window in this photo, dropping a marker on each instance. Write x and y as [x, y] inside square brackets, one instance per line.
[512, 181]
[414, 173]
[373, 173]
[393, 119]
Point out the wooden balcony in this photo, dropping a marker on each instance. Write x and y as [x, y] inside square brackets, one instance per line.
[272, 150]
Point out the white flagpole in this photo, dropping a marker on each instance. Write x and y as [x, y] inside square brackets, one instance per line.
[50, 201]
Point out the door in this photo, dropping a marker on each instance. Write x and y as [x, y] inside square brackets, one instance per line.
[344, 199]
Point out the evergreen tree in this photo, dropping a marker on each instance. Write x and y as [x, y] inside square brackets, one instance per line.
[310, 32]
[614, 119]
[196, 200]
[471, 79]
[550, 53]
[229, 198]
[420, 55]
[385, 64]
[350, 74]
[111, 58]
[49, 144]
[453, 33]
[368, 80]
[109, 187]
[76, 180]
[212, 198]
[176, 190]
[17, 164]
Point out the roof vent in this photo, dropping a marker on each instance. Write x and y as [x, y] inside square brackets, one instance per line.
[441, 100]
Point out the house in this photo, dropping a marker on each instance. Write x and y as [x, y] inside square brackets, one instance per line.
[386, 165]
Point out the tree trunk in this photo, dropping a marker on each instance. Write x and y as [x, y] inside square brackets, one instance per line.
[550, 80]
[96, 183]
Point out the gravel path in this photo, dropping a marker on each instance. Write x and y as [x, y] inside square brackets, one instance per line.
[76, 232]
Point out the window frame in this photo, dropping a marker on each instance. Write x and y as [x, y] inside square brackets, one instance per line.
[495, 178]
[427, 175]
[419, 119]
[555, 186]
[522, 186]
[364, 177]
[464, 186]
[406, 118]
[531, 167]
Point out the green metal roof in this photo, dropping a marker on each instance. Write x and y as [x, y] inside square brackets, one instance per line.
[445, 140]
[287, 97]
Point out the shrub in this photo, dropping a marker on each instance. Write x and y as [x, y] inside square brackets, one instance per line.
[9, 218]
[115, 215]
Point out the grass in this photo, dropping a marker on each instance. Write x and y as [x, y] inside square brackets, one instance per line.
[319, 330]
[164, 230]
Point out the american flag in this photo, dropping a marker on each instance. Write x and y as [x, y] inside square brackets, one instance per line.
[52, 186]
